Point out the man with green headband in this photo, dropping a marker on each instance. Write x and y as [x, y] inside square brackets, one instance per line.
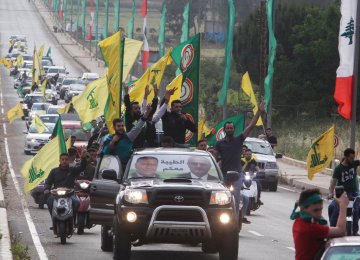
[310, 229]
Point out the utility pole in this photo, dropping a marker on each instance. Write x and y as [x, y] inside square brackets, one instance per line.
[262, 45]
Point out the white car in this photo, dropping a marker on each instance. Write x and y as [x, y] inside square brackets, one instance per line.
[53, 109]
[74, 90]
[90, 76]
[53, 70]
[342, 248]
[266, 159]
[49, 118]
[34, 140]
[37, 109]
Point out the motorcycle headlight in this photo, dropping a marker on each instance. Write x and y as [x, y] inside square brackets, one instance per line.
[61, 192]
[136, 196]
[247, 177]
[84, 185]
[220, 198]
[271, 165]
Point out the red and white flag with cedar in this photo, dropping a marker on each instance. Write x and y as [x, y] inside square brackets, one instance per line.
[345, 73]
[146, 50]
[61, 11]
[91, 23]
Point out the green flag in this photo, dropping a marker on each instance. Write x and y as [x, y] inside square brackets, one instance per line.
[272, 53]
[116, 16]
[106, 20]
[239, 123]
[131, 21]
[59, 132]
[228, 53]
[185, 25]
[48, 54]
[83, 14]
[161, 39]
[96, 20]
[187, 57]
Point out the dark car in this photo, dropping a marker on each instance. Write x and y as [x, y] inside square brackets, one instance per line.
[164, 196]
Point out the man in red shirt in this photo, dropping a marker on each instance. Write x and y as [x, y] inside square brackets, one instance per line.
[310, 229]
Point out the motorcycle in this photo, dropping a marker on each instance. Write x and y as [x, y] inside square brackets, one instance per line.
[62, 213]
[38, 194]
[250, 190]
[83, 194]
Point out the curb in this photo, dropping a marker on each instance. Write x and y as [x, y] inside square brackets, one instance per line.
[5, 240]
[297, 183]
[302, 164]
[57, 40]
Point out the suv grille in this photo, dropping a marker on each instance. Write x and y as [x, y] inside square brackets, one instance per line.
[190, 197]
[261, 165]
[180, 215]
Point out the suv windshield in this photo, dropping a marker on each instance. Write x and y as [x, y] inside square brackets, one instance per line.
[33, 130]
[53, 110]
[260, 147]
[37, 107]
[165, 166]
[49, 119]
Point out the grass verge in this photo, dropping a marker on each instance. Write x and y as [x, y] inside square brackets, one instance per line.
[19, 251]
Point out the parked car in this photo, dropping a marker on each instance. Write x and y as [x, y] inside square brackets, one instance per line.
[34, 140]
[266, 159]
[164, 196]
[73, 90]
[342, 248]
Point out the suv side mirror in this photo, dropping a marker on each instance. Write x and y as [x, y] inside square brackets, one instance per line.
[278, 155]
[231, 176]
[109, 175]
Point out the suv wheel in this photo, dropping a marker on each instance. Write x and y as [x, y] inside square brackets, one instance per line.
[121, 242]
[229, 246]
[106, 239]
[273, 186]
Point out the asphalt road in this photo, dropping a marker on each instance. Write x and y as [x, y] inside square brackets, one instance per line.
[268, 237]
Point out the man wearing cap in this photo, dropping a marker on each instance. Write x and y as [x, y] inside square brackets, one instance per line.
[310, 229]
[270, 138]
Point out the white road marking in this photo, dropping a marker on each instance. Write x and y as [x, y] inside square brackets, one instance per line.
[290, 248]
[4, 126]
[281, 187]
[255, 233]
[34, 234]
[2, 110]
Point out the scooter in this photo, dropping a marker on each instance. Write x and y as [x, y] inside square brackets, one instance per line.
[38, 194]
[82, 217]
[250, 190]
[62, 213]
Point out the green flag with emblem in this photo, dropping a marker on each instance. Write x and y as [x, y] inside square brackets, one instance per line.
[38, 168]
[187, 57]
[239, 123]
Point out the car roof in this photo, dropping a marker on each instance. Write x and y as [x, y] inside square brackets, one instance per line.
[49, 115]
[56, 106]
[170, 151]
[34, 95]
[253, 139]
[56, 67]
[40, 103]
[344, 241]
[71, 124]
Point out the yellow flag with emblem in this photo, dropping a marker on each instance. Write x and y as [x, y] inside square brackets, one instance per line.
[15, 113]
[36, 69]
[6, 62]
[152, 76]
[176, 83]
[39, 124]
[19, 61]
[248, 89]
[91, 103]
[131, 51]
[321, 153]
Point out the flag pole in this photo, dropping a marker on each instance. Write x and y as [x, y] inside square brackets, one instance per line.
[356, 80]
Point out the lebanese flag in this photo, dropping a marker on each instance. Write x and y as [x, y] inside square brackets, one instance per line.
[92, 11]
[61, 12]
[146, 50]
[345, 73]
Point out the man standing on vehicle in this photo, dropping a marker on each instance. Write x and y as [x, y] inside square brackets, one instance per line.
[270, 138]
[230, 149]
[345, 175]
[249, 164]
[121, 143]
[310, 229]
[64, 177]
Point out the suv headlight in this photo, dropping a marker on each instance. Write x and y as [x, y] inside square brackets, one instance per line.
[32, 140]
[271, 165]
[220, 198]
[136, 196]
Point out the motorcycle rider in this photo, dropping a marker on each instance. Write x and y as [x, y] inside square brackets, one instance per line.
[345, 175]
[64, 176]
[249, 164]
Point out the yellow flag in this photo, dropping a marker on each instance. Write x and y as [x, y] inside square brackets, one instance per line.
[91, 103]
[157, 69]
[112, 49]
[66, 109]
[41, 51]
[131, 51]
[6, 62]
[137, 89]
[247, 88]
[176, 83]
[39, 124]
[321, 153]
[36, 69]
[15, 113]
[19, 61]
[201, 128]
[43, 87]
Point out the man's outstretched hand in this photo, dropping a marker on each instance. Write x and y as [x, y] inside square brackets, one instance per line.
[262, 106]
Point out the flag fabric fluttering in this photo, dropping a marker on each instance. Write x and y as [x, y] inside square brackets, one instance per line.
[38, 168]
[161, 39]
[239, 123]
[345, 73]
[15, 113]
[321, 153]
[248, 90]
[131, 51]
[38, 124]
[146, 49]
[132, 21]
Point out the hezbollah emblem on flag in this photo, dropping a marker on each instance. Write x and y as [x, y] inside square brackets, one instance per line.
[187, 55]
[186, 92]
[35, 174]
[92, 101]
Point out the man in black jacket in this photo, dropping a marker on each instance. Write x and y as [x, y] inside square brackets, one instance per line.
[64, 176]
[175, 123]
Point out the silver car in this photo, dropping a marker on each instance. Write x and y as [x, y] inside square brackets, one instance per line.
[74, 90]
[342, 248]
[34, 140]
